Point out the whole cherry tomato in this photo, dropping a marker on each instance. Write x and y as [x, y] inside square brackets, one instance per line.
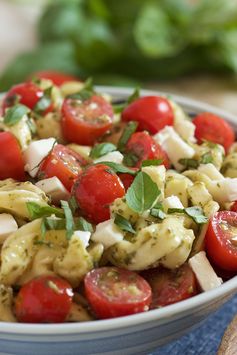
[115, 292]
[45, 299]
[96, 188]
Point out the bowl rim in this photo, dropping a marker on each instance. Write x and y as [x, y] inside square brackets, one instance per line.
[146, 317]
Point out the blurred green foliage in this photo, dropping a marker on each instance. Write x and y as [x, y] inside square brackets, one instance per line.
[145, 40]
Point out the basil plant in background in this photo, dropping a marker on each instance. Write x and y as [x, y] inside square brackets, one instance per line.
[116, 41]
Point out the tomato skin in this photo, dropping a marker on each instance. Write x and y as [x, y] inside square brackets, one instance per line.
[234, 207]
[45, 299]
[28, 93]
[127, 180]
[218, 243]
[152, 113]
[83, 122]
[214, 129]
[56, 77]
[107, 290]
[96, 188]
[144, 147]
[11, 159]
[170, 286]
[63, 163]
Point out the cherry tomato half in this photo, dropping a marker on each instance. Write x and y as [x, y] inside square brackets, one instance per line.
[63, 163]
[114, 292]
[221, 241]
[141, 146]
[11, 160]
[214, 129]
[152, 113]
[27, 94]
[45, 299]
[83, 122]
[56, 77]
[96, 188]
[170, 286]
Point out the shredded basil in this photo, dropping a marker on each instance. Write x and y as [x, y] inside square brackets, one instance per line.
[128, 131]
[14, 114]
[37, 211]
[101, 149]
[189, 163]
[195, 212]
[118, 108]
[85, 93]
[123, 224]
[73, 204]
[131, 159]
[82, 224]
[44, 102]
[150, 162]
[70, 226]
[118, 168]
[157, 211]
[206, 158]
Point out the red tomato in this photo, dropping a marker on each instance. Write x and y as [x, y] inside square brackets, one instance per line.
[63, 163]
[234, 207]
[221, 243]
[114, 292]
[45, 299]
[83, 122]
[152, 113]
[141, 146]
[11, 160]
[170, 286]
[56, 77]
[214, 129]
[127, 179]
[27, 94]
[96, 188]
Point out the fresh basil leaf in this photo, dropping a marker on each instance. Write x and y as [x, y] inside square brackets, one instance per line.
[43, 230]
[123, 224]
[142, 194]
[119, 168]
[70, 226]
[73, 204]
[55, 223]
[158, 213]
[85, 93]
[189, 163]
[176, 210]
[37, 211]
[14, 114]
[128, 131]
[130, 159]
[82, 224]
[150, 162]
[196, 213]
[119, 107]
[134, 96]
[101, 149]
[206, 158]
[44, 102]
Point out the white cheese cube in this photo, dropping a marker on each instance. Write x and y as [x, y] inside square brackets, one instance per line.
[53, 188]
[205, 274]
[107, 233]
[114, 157]
[172, 202]
[175, 147]
[211, 171]
[8, 225]
[224, 190]
[35, 153]
[84, 237]
[186, 130]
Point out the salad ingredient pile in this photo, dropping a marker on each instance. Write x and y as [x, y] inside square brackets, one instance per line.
[110, 208]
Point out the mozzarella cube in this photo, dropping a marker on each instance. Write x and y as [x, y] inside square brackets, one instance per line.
[35, 153]
[205, 274]
[175, 147]
[84, 237]
[211, 171]
[8, 225]
[53, 188]
[114, 157]
[186, 130]
[172, 202]
[224, 190]
[107, 233]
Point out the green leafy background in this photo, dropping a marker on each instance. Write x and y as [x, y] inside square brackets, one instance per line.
[124, 41]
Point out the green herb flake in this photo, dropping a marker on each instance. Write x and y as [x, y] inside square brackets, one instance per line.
[130, 128]
[157, 211]
[44, 102]
[69, 219]
[73, 204]
[142, 194]
[102, 149]
[123, 224]
[37, 211]
[206, 158]
[15, 114]
[151, 162]
[82, 224]
[118, 168]
[130, 159]
[195, 212]
[189, 163]
[85, 93]
[118, 108]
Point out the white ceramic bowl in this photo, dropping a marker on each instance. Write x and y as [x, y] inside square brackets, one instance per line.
[137, 334]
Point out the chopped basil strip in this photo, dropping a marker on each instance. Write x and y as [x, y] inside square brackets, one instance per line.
[70, 226]
[128, 131]
[85, 93]
[150, 162]
[206, 158]
[189, 163]
[44, 102]
[195, 212]
[37, 211]
[73, 204]
[130, 159]
[15, 114]
[157, 211]
[118, 108]
[101, 149]
[52, 223]
[32, 126]
[123, 224]
[82, 224]
[142, 194]
[118, 168]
